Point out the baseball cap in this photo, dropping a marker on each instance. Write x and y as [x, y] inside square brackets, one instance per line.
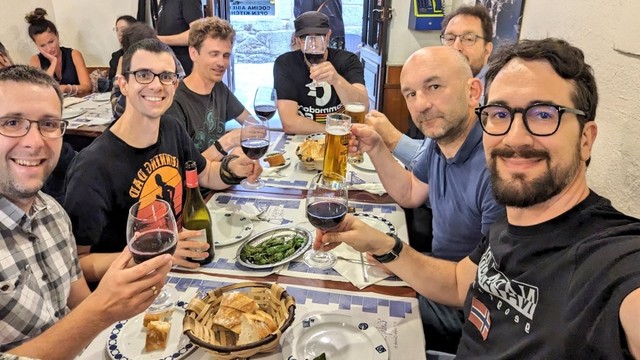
[311, 22]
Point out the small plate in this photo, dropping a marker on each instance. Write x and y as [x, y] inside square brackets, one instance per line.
[265, 164]
[377, 222]
[127, 338]
[366, 164]
[231, 228]
[272, 233]
[102, 97]
[315, 136]
[338, 336]
[71, 113]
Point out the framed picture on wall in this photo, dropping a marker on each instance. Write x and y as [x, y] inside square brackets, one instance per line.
[507, 19]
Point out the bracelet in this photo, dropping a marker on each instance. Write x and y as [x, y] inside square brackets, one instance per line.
[226, 175]
[220, 148]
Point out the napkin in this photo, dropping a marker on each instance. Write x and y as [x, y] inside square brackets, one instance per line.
[374, 188]
[352, 271]
[249, 211]
[271, 172]
[68, 101]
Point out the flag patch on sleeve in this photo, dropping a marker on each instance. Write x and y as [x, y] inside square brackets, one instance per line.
[480, 317]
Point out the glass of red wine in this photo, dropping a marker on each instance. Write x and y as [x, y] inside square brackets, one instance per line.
[264, 103]
[327, 204]
[152, 231]
[314, 48]
[254, 140]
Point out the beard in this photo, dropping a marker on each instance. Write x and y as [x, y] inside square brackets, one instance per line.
[520, 193]
[450, 125]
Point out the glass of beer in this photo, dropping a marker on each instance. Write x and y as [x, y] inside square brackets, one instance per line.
[356, 111]
[336, 144]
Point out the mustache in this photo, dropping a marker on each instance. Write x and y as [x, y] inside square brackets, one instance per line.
[523, 153]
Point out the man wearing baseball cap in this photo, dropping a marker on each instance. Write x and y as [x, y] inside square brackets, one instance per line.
[302, 104]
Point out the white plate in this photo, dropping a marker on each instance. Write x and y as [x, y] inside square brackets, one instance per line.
[366, 164]
[265, 164]
[127, 338]
[102, 97]
[71, 113]
[230, 228]
[338, 336]
[315, 136]
[377, 222]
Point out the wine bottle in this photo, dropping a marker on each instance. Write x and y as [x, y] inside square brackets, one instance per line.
[195, 215]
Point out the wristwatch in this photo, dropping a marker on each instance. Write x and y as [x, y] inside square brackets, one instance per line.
[393, 254]
[220, 148]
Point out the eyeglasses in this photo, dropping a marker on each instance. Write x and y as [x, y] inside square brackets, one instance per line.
[15, 127]
[539, 119]
[146, 77]
[467, 39]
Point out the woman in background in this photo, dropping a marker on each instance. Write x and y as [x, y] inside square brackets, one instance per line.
[65, 65]
[5, 59]
[122, 23]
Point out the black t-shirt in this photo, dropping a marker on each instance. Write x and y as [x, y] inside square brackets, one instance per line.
[553, 290]
[205, 115]
[109, 176]
[174, 17]
[291, 74]
[113, 63]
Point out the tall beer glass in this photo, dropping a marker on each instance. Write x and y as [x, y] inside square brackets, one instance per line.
[336, 144]
[356, 111]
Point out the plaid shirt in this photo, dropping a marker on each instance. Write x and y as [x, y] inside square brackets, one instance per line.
[38, 263]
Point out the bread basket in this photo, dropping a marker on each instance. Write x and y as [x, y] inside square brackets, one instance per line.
[219, 341]
[311, 159]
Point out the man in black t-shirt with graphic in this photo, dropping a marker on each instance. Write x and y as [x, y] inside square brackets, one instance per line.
[175, 17]
[339, 79]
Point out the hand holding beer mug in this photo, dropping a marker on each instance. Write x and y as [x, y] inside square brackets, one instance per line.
[356, 111]
[336, 144]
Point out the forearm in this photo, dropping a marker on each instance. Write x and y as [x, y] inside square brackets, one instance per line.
[296, 124]
[212, 179]
[95, 265]
[348, 92]
[181, 39]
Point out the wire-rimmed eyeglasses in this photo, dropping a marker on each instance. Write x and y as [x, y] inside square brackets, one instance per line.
[15, 127]
[539, 119]
[146, 76]
[468, 39]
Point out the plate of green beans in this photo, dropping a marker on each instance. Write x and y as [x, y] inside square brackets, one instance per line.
[274, 247]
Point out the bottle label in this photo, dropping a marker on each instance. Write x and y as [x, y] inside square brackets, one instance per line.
[200, 238]
[192, 179]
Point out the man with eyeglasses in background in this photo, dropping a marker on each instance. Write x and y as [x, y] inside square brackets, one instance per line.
[48, 311]
[558, 276]
[141, 155]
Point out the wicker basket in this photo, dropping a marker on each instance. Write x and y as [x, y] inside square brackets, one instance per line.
[309, 163]
[220, 341]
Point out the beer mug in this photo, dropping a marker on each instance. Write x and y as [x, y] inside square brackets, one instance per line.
[356, 111]
[336, 144]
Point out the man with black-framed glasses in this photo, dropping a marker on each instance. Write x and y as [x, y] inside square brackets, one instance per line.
[557, 277]
[47, 308]
[134, 159]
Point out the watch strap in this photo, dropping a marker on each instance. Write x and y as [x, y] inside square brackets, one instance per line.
[220, 148]
[393, 254]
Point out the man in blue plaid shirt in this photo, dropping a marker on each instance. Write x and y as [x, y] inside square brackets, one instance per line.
[46, 308]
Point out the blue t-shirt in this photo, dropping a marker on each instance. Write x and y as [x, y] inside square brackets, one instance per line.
[460, 195]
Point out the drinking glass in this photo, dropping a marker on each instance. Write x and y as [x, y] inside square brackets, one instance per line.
[326, 207]
[356, 111]
[314, 48]
[336, 144]
[254, 140]
[264, 102]
[152, 231]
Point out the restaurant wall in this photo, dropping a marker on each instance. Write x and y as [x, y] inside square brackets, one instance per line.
[13, 32]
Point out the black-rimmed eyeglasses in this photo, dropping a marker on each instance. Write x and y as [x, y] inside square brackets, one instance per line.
[146, 76]
[467, 39]
[539, 119]
[15, 127]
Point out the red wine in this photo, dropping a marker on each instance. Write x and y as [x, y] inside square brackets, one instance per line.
[150, 244]
[265, 110]
[326, 215]
[314, 59]
[254, 148]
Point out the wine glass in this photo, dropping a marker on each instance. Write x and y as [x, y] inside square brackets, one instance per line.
[264, 102]
[254, 140]
[314, 48]
[152, 231]
[327, 204]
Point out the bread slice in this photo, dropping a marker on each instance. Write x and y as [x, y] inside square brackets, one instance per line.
[157, 335]
[161, 316]
[267, 319]
[252, 329]
[275, 159]
[228, 317]
[239, 301]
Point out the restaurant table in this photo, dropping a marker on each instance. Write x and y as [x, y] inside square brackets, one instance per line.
[386, 303]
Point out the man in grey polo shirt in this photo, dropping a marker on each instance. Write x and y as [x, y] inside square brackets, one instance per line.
[451, 173]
